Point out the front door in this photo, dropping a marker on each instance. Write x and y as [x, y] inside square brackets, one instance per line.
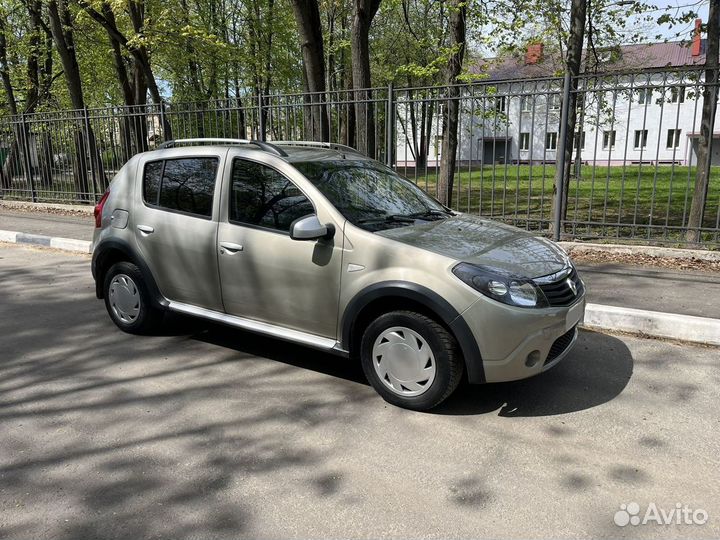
[175, 229]
[265, 275]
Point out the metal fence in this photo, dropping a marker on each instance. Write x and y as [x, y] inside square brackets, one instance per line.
[633, 166]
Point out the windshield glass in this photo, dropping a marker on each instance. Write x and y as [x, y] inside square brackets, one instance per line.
[370, 195]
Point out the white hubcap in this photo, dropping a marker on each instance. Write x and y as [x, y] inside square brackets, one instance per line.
[124, 298]
[403, 361]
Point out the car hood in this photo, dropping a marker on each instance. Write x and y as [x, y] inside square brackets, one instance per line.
[484, 242]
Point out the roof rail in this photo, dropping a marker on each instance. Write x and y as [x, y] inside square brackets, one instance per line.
[267, 147]
[312, 144]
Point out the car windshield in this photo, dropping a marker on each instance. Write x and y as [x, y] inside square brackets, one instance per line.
[370, 195]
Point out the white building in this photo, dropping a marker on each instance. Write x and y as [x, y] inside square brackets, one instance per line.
[645, 108]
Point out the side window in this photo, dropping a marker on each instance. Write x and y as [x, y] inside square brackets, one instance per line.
[262, 196]
[185, 185]
[151, 181]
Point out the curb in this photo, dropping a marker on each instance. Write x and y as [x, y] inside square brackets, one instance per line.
[39, 240]
[653, 323]
[597, 316]
[650, 251]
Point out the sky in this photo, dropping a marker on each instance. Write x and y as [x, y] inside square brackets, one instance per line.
[676, 7]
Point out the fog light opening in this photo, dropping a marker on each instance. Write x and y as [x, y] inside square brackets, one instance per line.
[532, 359]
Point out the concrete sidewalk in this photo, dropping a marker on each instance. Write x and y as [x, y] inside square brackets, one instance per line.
[647, 294]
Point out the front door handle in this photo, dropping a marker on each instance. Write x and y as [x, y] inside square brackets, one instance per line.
[145, 229]
[230, 247]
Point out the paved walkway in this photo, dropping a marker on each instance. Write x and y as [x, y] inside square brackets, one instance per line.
[682, 292]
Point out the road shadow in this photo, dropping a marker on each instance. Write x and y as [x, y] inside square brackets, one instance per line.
[596, 371]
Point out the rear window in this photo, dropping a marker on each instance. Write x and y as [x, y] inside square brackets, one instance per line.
[183, 185]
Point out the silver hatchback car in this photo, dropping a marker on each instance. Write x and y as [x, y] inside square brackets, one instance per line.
[316, 244]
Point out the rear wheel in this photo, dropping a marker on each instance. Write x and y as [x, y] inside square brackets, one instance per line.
[411, 360]
[127, 300]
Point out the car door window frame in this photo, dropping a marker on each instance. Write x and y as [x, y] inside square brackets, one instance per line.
[229, 191]
[156, 206]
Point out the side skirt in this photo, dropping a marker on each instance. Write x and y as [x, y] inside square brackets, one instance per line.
[287, 334]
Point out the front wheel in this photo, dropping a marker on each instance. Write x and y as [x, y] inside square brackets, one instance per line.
[128, 301]
[410, 360]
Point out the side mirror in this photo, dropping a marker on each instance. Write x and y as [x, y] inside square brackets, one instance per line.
[310, 228]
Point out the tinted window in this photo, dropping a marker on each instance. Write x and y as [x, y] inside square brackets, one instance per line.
[188, 185]
[264, 197]
[151, 181]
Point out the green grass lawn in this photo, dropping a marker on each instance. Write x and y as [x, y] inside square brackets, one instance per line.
[627, 198]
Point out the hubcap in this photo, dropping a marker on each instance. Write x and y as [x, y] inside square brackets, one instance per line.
[403, 361]
[124, 298]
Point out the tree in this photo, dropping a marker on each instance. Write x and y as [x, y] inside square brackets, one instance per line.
[573, 59]
[458, 15]
[363, 14]
[307, 15]
[707, 122]
[61, 27]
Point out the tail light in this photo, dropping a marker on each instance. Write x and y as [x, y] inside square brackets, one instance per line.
[99, 209]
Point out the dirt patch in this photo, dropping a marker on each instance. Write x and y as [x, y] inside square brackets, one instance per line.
[605, 257]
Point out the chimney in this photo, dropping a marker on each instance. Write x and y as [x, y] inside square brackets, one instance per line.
[534, 53]
[697, 38]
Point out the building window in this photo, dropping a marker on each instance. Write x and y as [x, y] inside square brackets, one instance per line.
[579, 140]
[525, 141]
[554, 102]
[608, 139]
[499, 104]
[525, 104]
[677, 94]
[645, 96]
[640, 138]
[551, 140]
[673, 138]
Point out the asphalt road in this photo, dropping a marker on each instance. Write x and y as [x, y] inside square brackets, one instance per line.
[207, 432]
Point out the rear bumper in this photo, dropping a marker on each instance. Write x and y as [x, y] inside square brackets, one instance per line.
[516, 343]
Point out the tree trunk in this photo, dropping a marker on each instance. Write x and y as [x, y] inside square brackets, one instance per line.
[578, 17]
[62, 31]
[307, 15]
[457, 14]
[707, 122]
[363, 15]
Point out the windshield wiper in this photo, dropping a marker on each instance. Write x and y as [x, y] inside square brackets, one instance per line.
[425, 214]
[389, 218]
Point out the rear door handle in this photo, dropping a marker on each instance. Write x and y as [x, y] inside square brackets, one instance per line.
[230, 247]
[145, 229]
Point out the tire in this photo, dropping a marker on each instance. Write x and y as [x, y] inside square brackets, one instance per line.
[411, 360]
[128, 301]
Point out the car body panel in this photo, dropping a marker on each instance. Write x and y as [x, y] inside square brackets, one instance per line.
[488, 243]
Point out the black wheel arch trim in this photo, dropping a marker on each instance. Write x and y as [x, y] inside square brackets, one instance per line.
[431, 300]
[115, 244]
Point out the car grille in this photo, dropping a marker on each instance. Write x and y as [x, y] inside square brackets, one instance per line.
[561, 344]
[559, 293]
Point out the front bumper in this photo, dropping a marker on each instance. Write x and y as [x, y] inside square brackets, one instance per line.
[516, 343]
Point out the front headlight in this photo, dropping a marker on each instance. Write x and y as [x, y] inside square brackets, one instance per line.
[501, 286]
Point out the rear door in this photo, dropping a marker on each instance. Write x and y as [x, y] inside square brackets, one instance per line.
[175, 223]
[266, 275]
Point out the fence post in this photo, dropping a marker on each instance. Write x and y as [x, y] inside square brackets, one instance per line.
[92, 149]
[162, 120]
[24, 129]
[261, 119]
[561, 158]
[390, 126]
